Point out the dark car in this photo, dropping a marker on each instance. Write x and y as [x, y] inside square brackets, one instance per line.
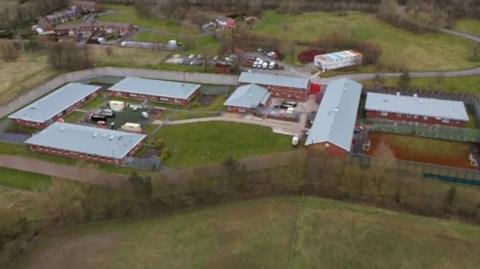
[98, 117]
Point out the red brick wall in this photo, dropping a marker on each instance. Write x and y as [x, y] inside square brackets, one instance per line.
[329, 148]
[288, 93]
[234, 109]
[166, 100]
[409, 118]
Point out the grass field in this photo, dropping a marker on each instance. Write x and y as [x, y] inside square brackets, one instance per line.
[461, 84]
[202, 143]
[400, 48]
[75, 117]
[420, 149]
[18, 77]
[468, 26]
[265, 233]
[23, 180]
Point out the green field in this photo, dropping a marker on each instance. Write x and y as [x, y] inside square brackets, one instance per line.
[266, 233]
[202, 143]
[468, 26]
[400, 48]
[23, 180]
[75, 117]
[461, 84]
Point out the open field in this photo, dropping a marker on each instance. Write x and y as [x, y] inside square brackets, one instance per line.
[400, 48]
[23, 74]
[23, 180]
[468, 26]
[265, 233]
[202, 143]
[461, 84]
[419, 149]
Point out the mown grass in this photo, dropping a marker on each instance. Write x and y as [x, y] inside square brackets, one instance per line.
[75, 117]
[280, 232]
[23, 180]
[433, 51]
[202, 143]
[460, 84]
[471, 26]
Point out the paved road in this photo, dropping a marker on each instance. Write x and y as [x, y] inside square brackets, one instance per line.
[472, 37]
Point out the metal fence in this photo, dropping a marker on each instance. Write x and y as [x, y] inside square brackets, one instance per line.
[427, 131]
[143, 163]
[440, 172]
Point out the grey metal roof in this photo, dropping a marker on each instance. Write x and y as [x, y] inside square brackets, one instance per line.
[274, 80]
[153, 87]
[248, 96]
[49, 106]
[337, 114]
[418, 106]
[87, 140]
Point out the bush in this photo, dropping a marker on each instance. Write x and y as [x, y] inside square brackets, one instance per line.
[166, 153]
[308, 56]
[159, 144]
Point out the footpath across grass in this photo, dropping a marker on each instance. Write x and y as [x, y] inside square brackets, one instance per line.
[471, 26]
[203, 143]
[280, 232]
[23, 180]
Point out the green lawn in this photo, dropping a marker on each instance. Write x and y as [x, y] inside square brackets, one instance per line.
[400, 48]
[75, 117]
[23, 180]
[93, 104]
[202, 143]
[196, 110]
[468, 26]
[265, 233]
[461, 84]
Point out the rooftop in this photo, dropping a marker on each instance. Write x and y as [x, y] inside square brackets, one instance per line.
[87, 140]
[160, 88]
[338, 55]
[418, 106]
[274, 80]
[248, 96]
[337, 114]
[54, 103]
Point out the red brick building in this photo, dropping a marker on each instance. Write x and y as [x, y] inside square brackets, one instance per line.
[247, 98]
[86, 143]
[292, 88]
[162, 91]
[55, 105]
[416, 109]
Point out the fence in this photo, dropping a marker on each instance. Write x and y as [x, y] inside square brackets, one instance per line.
[427, 131]
[440, 172]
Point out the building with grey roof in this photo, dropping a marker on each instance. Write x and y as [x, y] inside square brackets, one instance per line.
[295, 88]
[247, 98]
[156, 90]
[334, 123]
[86, 143]
[416, 109]
[55, 105]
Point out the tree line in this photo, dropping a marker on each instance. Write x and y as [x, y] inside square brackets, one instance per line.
[28, 10]
[67, 203]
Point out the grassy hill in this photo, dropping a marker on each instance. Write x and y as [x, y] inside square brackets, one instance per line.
[401, 48]
[281, 232]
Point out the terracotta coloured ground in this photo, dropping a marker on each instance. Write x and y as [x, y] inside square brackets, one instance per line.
[420, 149]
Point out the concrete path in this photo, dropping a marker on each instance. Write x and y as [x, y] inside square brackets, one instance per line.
[281, 127]
[81, 174]
[472, 37]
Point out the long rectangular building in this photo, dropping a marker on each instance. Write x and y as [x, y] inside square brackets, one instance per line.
[416, 109]
[333, 126]
[294, 88]
[247, 98]
[171, 92]
[55, 105]
[338, 60]
[86, 143]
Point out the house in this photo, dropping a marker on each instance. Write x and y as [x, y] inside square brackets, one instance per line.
[226, 23]
[294, 88]
[177, 93]
[99, 28]
[247, 98]
[87, 6]
[416, 109]
[55, 105]
[338, 60]
[62, 16]
[86, 143]
[333, 126]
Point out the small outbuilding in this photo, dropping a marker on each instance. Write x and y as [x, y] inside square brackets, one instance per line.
[247, 98]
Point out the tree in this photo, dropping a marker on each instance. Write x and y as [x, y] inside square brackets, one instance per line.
[404, 80]
[69, 56]
[255, 7]
[8, 50]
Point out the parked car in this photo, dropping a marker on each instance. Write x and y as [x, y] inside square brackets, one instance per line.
[265, 65]
[108, 113]
[289, 104]
[98, 117]
[272, 65]
[295, 140]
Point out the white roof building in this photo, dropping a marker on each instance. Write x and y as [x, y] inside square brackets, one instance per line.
[338, 60]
